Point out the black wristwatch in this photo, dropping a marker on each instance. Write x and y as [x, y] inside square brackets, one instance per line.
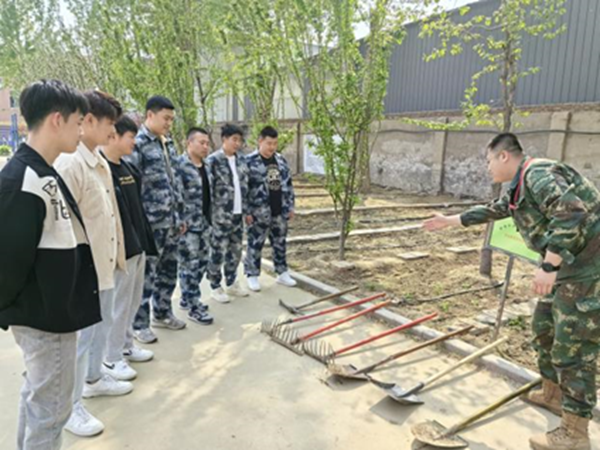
[549, 267]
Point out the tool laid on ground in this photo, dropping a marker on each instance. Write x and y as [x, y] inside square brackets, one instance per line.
[290, 338]
[408, 397]
[324, 353]
[351, 372]
[437, 435]
[270, 327]
[297, 309]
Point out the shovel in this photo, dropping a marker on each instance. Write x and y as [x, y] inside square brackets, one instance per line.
[296, 310]
[290, 338]
[324, 352]
[351, 372]
[437, 435]
[408, 397]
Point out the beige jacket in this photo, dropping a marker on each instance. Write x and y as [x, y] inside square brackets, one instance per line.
[89, 179]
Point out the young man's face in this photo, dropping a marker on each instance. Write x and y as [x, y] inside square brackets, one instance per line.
[198, 145]
[97, 131]
[160, 122]
[122, 145]
[498, 166]
[267, 146]
[70, 131]
[233, 143]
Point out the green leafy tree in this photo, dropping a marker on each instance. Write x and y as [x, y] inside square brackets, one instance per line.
[347, 81]
[498, 41]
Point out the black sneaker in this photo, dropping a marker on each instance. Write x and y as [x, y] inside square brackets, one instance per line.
[184, 305]
[199, 316]
[203, 307]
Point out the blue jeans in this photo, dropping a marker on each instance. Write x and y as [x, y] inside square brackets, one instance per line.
[47, 393]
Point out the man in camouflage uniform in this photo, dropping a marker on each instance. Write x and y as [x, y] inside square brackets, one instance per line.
[229, 186]
[194, 244]
[154, 156]
[557, 211]
[270, 207]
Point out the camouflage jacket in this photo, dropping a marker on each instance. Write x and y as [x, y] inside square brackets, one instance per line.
[161, 188]
[191, 182]
[557, 209]
[258, 188]
[222, 191]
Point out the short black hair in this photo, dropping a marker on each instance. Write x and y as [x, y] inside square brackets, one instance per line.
[125, 124]
[268, 131]
[230, 129]
[44, 97]
[158, 102]
[103, 105]
[506, 141]
[192, 131]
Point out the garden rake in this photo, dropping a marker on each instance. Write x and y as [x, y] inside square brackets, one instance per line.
[324, 353]
[296, 310]
[290, 339]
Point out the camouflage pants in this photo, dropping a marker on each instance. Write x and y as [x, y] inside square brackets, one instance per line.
[160, 278]
[225, 251]
[566, 328]
[193, 261]
[257, 235]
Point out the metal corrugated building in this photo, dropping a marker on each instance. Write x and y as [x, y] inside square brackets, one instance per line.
[570, 67]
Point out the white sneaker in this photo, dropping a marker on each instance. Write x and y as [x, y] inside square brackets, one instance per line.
[82, 423]
[286, 280]
[253, 284]
[119, 370]
[219, 295]
[137, 354]
[107, 386]
[236, 290]
[145, 336]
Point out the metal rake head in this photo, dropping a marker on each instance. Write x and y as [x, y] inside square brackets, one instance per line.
[282, 335]
[319, 350]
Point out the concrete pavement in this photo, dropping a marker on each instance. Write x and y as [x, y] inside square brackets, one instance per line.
[228, 387]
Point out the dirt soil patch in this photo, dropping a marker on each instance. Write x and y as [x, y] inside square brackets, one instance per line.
[376, 266]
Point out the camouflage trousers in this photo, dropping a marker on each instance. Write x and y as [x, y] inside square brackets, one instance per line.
[193, 261]
[566, 328]
[160, 278]
[276, 230]
[225, 251]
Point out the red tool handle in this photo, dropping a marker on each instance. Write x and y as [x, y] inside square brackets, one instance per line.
[386, 333]
[344, 320]
[338, 308]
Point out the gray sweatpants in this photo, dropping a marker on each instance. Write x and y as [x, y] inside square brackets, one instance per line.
[129, 287]
[46, 396]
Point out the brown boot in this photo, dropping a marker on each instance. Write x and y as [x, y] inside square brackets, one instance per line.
[549, 397]
[571, 435]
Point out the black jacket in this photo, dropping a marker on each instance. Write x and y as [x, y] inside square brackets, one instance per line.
[47, 275]
[125, 208]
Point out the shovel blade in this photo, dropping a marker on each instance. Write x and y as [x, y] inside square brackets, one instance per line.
[434, 434]
[348, 371]
[398, 394]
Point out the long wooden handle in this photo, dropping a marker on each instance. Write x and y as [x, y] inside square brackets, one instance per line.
[327, 297]
[469, 420]
[464, 361]
[398, 355]
[344, 320]
[386, 333]
[337, 308]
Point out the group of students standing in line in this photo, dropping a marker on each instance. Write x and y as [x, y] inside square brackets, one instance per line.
[99, 219]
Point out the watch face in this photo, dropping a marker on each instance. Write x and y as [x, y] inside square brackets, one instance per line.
[547, 267]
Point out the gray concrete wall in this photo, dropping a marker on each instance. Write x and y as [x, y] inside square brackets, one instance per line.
[420, 161]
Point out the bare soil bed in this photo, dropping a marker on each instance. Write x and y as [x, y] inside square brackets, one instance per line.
[376, 266]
